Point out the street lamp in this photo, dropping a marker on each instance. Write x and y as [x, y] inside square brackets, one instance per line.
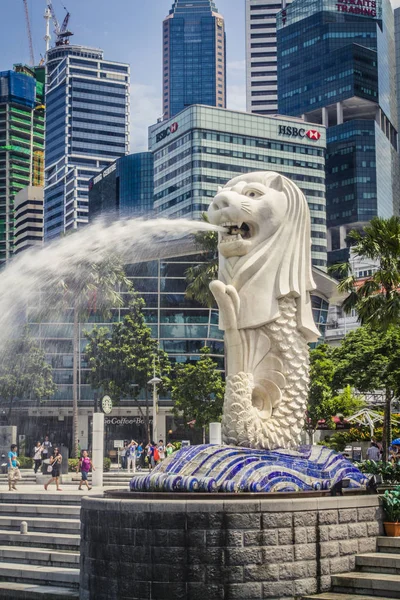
[154, 381]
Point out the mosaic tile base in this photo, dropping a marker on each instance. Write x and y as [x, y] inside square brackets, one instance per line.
[212, 468]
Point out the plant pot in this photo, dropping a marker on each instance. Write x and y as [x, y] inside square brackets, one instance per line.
[392, 529]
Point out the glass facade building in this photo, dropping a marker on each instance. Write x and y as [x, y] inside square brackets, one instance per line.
[194, 58]
[337, 67]
[261, 56]
[125, 188]
[87, 128]
[204, 147]
[21, 143]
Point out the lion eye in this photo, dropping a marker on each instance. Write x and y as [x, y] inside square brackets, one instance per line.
[252, 194]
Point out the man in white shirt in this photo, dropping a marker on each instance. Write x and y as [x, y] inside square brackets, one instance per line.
[131, 456]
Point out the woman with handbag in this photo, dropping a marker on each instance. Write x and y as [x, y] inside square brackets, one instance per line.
[55, 469]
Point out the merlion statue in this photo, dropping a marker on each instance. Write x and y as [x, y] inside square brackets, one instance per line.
[263, 294]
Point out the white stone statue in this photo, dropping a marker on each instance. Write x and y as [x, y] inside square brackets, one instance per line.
[263, 294]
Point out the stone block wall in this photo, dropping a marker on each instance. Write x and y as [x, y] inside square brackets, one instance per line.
[236, 549]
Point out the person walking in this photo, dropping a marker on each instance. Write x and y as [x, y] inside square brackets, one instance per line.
[161, 450]
[169, 449]
[13, 468]
[37, 456]
[373, 452]
[123, 455]
[55, 462]
[84, 466]
[131, 456]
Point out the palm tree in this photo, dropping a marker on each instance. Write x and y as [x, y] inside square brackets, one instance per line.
[96, 287]
[200, 276]
[377, 299]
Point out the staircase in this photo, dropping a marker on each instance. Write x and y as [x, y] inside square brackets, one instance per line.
[44, 563]
[113, 478]
[377, 575]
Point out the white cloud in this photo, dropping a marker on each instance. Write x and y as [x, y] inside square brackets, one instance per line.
[145, 110]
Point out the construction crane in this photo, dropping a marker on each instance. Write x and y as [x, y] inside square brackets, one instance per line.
[62, 32]
[28, 28]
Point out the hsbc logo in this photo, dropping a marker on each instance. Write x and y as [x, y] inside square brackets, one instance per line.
[166, 132]
[300, 132]
[313, 134]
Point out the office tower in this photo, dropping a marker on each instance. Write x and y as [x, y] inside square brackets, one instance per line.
[28, 206]
[194, 62]
[125, 189]
[203, 147]
[21, 143]
[397, 47]
[261, 56]
[337, 67]
[87, 120]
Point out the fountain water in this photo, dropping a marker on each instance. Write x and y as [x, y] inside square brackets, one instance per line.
[133, 240]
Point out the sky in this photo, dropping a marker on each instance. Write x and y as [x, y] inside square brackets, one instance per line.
[128, 31]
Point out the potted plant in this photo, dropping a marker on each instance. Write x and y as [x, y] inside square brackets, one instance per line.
[391, 506]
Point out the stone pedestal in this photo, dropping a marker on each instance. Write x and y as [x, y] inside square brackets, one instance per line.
[98, 449]
[8, 436]
[218, 548]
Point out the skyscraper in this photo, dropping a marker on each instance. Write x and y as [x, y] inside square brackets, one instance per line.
[261, 57]
[337, 67]
[194, 61]
[21, 143]
[87, 120]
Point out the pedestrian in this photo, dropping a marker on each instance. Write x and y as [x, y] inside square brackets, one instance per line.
[150, 448]
[55, 463]
[142, 459]
[161, 450]
[373, 452]
[46, 448]
[123, 455]
[37, 456]
[139, 452]
[169, 449]
[14, 474]
[84, 466]
[131, 456]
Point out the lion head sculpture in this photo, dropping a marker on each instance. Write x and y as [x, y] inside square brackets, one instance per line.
[265, 254]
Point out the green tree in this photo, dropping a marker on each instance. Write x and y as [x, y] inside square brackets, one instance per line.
[369, 360]
[377, 300]
[123, 359]
[24, 373]
[198, 391]
[93, 288]
[322, 371]
[200, 276]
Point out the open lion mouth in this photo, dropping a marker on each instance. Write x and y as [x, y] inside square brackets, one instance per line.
[234, 232]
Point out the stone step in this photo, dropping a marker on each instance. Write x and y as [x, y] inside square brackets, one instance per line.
[374, 584]
[337, 596]
[39, 556]
[33, 591]
[41, 524]
[40, 497]
[44, 510]
[389, 544]
[378, 562]
[59, 576]
[40, 539]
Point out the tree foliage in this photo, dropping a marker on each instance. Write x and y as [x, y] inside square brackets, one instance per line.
[200, 276]
[377, 299]
[198, 391]
[24, 373]
[125, 355]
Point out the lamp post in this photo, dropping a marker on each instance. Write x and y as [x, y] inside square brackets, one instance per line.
[154, 381]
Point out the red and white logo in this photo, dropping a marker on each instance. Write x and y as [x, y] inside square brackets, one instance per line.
[173, 127]
[313, 134]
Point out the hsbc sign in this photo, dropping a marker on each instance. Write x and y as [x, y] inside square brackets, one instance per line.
[166, 132]
[300, 132]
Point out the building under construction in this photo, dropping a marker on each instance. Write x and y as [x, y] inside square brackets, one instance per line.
[21, 143]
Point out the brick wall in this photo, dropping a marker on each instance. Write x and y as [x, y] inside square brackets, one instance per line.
[221, 550]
